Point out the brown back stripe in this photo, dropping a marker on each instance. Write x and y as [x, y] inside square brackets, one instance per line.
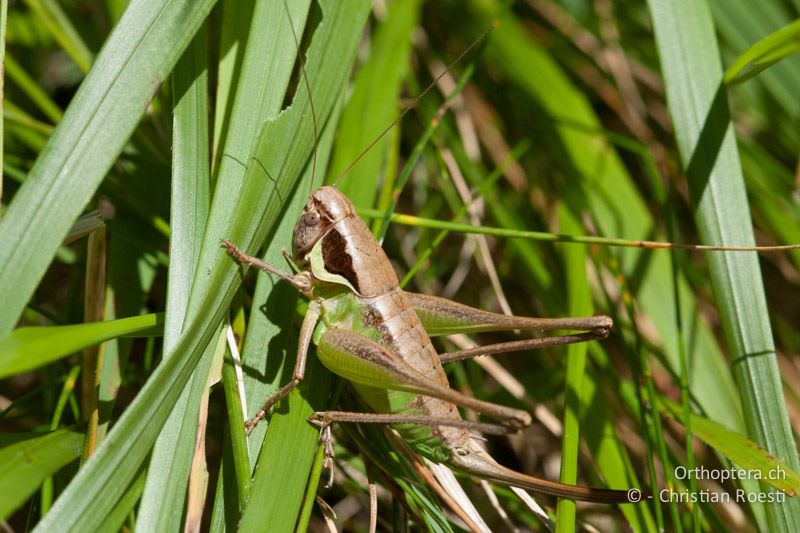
[337, 259]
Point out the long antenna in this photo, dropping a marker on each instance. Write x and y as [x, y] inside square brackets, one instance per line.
[310, 99]
[460, 56]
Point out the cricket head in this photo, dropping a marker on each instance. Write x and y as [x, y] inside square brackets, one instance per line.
[324, 208]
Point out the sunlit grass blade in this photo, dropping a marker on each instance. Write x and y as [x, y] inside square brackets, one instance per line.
[123, 510]
[269, 177]
[237, 142]
[31, 347]
[53, 17]
[764, 54]
[373, 104]
[237, 20]
[741, 450]
[579, 304]
[138, 55]
[690, 62]
[28, 459]
[163, 498]
[260, 77]
[740, 24]
[290, 439]
[260, 89]
[285, 457]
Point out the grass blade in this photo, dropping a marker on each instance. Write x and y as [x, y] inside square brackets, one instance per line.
[3, 23]
[373, 104]
[764, 54]
[690, 62]
[55, 20]
[138, 55]
[32, 347]
[163, 496]
[580, 304]
[278, 154]
[740, 24]
[233, 40]
[289, 448]
[27, 460]
[741, 450]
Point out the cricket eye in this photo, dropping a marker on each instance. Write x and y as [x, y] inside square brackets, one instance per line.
[312, 218]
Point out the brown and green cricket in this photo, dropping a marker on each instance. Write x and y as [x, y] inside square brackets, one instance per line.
[377, 336]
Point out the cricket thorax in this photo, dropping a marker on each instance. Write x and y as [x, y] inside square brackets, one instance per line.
[333, 243]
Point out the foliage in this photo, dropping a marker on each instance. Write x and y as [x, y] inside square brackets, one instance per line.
[187, 122]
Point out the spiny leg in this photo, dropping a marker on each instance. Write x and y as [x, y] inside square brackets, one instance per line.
[326, 440]
[298, 281]
[325, 419]
[476, 463]
[362, 360]
[306, 332]
[440, 316]
[517, 346]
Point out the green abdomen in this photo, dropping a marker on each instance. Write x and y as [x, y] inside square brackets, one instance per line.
[390, 321]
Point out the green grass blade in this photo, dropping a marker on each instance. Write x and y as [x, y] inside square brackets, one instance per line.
[28, 459]
[236, 438]
[103, 480]
[373, 104]
[163, 497]
[31, 347]
[287, 453]
[138, 55]
[740, 24]
[607, 448]
[233, 39]
[173, 451]
[58, 24]
[255, 177]
[595, 180]
[260, 85]
[764, 54]
[580, 304]
[3, 24]
[37, 95]
[190, 180]
[741, 450]
[690, 62]
[116, 519]
[285, 457]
